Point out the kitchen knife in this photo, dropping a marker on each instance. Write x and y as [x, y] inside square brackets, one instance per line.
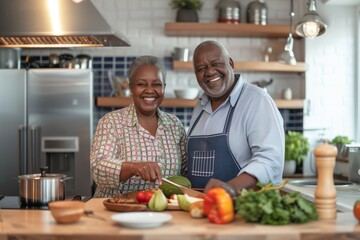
[185, 190]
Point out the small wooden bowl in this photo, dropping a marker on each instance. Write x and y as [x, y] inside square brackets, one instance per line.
[67, 211]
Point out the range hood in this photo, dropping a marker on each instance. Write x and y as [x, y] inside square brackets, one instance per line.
[55, 24]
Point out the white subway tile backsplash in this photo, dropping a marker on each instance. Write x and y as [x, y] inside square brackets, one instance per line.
[330, 59]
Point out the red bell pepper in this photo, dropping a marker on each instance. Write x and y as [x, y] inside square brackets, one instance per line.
[218, 206]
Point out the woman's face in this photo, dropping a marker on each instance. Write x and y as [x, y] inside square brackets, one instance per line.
[147, 88]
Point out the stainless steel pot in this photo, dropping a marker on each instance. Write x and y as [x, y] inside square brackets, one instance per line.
[40, 189]
[10, 58]
[66, 61]
[54, 61]
[83, 61]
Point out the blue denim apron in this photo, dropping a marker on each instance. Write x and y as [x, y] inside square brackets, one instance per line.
[209, 156]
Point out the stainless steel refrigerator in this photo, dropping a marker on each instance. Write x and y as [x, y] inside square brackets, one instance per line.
[46, 120]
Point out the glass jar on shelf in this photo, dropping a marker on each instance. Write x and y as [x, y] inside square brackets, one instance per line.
[257, 12]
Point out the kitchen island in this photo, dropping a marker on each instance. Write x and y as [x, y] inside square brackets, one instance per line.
[39, 224]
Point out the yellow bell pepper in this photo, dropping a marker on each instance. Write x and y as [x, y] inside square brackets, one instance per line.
[218, 206]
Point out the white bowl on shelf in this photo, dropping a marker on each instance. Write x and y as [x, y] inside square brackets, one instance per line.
[187, 93]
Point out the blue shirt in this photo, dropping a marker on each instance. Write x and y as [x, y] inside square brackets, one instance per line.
[256, 135]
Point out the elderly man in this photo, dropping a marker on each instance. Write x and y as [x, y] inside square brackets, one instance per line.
[236, 134]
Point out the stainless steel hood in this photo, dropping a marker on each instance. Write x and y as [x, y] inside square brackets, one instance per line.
[55, 24]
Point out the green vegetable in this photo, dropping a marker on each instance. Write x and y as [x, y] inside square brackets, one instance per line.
[296, 147]
[169, 189]
[341, 140]
[158, 202]
[268, 206]
[186, 4]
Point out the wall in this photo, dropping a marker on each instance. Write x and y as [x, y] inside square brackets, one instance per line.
[143, 23]
[331, 75]
[330, 78]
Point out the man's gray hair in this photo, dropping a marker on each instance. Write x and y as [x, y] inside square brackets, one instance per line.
[214, 43]
[146, 60]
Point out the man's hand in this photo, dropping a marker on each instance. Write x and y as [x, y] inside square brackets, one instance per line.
[213, 183]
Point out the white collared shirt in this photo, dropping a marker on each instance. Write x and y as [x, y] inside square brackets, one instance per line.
[256, 135]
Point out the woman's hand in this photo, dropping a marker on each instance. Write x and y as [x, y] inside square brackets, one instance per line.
[147, 171]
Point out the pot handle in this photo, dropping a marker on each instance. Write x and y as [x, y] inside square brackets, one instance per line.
[42, 171]
[65, 179]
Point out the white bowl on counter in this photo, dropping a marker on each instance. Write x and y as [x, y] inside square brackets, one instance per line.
[187, 93]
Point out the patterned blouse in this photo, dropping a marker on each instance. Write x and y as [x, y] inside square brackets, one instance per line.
[120, 138]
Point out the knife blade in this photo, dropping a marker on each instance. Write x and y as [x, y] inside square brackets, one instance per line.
[185, 190]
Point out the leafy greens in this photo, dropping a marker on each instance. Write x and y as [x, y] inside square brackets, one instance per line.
[268, 206]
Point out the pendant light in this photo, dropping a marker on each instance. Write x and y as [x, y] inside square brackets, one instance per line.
[288, 56]
[311, 25]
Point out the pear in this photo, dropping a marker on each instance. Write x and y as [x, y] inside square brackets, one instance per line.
[158, 202]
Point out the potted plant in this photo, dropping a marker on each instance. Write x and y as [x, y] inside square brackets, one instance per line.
[186, 10]
[340, 142]
[296, 149]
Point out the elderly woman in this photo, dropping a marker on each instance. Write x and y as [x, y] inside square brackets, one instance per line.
[134, 147]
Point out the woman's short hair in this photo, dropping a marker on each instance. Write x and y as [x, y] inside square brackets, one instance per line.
[146, 60]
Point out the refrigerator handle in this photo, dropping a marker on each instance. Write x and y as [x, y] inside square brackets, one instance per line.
[34, 155]
[22, 150]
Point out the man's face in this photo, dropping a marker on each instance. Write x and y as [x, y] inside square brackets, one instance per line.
[214, 71]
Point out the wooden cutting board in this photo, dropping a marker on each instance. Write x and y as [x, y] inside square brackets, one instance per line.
[124, 207]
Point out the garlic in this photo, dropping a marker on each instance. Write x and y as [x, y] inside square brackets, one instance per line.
[196, 209]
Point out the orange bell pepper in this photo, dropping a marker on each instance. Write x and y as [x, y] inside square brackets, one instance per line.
[218, 206]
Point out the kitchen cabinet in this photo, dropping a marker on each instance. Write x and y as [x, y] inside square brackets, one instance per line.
[176, 102]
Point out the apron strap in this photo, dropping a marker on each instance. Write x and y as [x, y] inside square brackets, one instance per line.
[228, 117]
[195, 123]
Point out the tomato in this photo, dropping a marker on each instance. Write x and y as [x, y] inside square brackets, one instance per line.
[148, 195]
[144, 196]
[356, 210]
[140, 196]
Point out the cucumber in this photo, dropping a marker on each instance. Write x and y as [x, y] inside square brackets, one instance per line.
[169, 189]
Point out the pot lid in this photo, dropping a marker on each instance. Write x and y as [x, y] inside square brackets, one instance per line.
[42, 175]
[38, 176]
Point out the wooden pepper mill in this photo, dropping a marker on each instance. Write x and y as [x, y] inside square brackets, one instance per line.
[325, 192]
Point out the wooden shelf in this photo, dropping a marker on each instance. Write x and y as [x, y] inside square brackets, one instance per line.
[175, 102]
[125, 101]
[290, 104]
[227, 30]
[300, 67]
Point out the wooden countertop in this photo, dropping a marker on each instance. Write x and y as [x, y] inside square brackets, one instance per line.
[39, 224]
[345, 195]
